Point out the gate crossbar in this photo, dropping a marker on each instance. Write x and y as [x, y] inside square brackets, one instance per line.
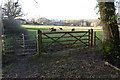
[55, 40]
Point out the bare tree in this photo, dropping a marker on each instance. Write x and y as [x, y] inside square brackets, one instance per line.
[12, 9]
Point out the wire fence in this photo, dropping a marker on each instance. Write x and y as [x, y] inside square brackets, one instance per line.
[19, 44]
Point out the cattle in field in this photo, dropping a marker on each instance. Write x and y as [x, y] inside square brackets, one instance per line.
[61, 28]
[73, 29]
[52, 29]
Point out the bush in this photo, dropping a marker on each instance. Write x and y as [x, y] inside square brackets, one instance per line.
[111, 55]
[107, 46]
[12, 27]
[13, 31]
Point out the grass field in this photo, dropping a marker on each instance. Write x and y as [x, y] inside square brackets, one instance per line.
[65, 28]
[32, 29]
[45, 28]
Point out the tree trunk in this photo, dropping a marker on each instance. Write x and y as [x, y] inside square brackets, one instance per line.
[111, 33]
[109, 21]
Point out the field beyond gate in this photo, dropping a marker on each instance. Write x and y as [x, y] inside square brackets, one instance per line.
[56, 41]
[48, 41]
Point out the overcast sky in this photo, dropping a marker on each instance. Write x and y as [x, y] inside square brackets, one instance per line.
[59, 9]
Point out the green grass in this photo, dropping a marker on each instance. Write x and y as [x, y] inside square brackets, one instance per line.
[32, 29]
[44, 28]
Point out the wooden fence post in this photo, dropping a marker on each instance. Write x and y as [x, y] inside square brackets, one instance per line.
[23, 40]
[3, 44]
[94, 38]
[90, 37]
[39, 42]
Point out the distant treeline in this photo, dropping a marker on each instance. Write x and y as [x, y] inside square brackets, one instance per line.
[45, 21]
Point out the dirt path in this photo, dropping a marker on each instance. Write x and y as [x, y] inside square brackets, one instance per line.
[85, 63]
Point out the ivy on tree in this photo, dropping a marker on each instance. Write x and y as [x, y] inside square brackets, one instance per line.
[110, 31]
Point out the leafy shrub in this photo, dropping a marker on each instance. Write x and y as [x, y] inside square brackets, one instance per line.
[111, 55]
[107, 46]
[13, 31]
[12, 27]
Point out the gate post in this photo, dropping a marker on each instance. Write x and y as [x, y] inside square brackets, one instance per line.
[90, 32]
[94, 38]
[39, 42]
[23, 42]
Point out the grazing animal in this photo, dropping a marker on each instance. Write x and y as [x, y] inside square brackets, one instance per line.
[73, 29]
[60, 28]
[52, 29]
